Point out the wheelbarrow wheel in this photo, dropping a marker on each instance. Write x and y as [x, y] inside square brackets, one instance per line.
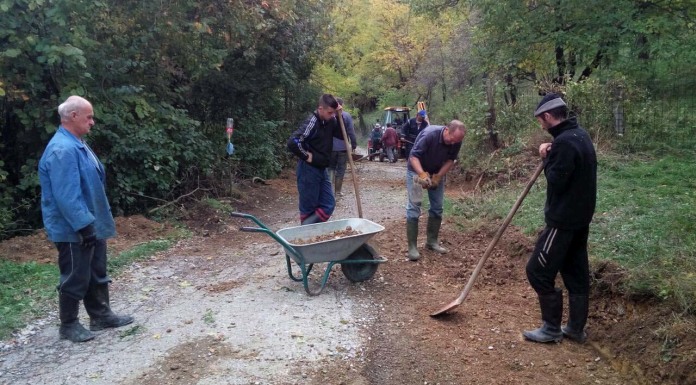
[359, 272]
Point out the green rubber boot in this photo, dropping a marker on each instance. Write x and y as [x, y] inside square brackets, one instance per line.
[433, 231]
[412, 237]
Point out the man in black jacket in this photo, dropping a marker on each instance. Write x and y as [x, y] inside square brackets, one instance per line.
[571, 193]
[412, 128]
[312, 143]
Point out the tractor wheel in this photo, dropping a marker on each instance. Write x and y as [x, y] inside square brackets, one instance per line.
[359, 272]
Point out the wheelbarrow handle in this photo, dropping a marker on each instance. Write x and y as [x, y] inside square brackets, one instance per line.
[240, 215]
[253, 229]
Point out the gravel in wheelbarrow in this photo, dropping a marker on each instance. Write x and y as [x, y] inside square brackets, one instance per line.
[331, 249]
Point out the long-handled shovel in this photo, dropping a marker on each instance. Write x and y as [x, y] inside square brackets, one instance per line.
[352, 167]
[500, 232]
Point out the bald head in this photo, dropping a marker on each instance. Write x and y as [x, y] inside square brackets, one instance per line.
[76, 115]
[455, 132]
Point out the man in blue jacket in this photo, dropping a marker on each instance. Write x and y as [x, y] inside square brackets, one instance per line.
[312, 143]
[77, 218]
[340, 153]
[570, 166]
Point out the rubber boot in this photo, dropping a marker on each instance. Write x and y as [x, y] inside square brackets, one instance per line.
[99, 310]
[412, 237]
[337, 187]
[70, 327]
[551, 314]
[332, 175]
[433, 230]
[314, 218]
[578, 308]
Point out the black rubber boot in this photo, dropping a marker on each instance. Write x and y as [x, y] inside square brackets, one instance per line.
[412, 237]
[99, 310]
[551, 314]
[338, 186]
[70, 327]
[314, 218]
[433, 231]
[578, 309]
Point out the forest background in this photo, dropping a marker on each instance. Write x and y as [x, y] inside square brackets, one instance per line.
[164, 76]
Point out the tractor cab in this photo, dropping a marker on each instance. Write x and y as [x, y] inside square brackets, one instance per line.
[397, 116]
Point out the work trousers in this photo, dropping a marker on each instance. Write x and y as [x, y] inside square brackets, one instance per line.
[563, 251]
[436, 198]
[337, 163]
[314, 189]
[81, 266]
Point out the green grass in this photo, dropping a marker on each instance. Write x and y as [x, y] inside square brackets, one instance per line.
[27, 290]
[645, 221]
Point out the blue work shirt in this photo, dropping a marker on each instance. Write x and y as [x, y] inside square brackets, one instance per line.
[73, 190]
[340, 144]
[431, 150]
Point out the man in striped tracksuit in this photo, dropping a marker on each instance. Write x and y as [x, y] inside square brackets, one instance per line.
[312, 143]
[571, 173]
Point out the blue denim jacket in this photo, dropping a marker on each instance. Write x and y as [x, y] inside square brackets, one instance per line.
[73, 190]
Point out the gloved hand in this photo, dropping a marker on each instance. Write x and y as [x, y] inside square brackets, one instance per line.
[435, 181]
[423, 179]
[88, 235]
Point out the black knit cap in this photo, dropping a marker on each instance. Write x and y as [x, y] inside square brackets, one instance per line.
[549, 102]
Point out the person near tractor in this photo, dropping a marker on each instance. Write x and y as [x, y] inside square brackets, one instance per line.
[570, 167]
[433, 155]
[339, 153]
[376, 137]
[390, 139]
[77, 218]
[412, 128]
[312, 143]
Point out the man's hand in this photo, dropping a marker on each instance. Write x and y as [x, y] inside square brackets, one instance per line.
[88, 235]
[309, 157]
[544, 150]
[435, 181]
[423, 179]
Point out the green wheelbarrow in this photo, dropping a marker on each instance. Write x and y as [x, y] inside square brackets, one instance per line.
[358, 260]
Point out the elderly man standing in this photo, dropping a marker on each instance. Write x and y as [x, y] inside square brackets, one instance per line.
[77, 218]
[432, 156]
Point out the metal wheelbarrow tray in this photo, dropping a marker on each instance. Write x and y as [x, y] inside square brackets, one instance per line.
[358, 260]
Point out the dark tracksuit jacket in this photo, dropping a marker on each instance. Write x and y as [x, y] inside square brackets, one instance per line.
[316, 136]
[571, 195]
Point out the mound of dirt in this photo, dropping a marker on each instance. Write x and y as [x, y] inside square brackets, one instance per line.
[130, 231]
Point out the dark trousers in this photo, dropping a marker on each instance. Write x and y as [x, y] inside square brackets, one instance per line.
[81, 267]
[563, 251]
[316, 194]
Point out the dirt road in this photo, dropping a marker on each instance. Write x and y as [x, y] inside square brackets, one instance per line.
[219, 308]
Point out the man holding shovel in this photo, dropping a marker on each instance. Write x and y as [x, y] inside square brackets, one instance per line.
[312, 143]
[570, 167]
[433, 155]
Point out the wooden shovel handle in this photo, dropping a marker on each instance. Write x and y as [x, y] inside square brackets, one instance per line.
[500, 232]
[349, 148]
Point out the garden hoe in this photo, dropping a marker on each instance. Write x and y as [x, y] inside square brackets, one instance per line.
[500, 232]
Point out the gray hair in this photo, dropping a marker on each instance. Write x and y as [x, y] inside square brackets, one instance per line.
[456, 125]
[71, 104]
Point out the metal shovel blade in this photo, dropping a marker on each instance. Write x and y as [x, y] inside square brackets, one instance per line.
[449, 307]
